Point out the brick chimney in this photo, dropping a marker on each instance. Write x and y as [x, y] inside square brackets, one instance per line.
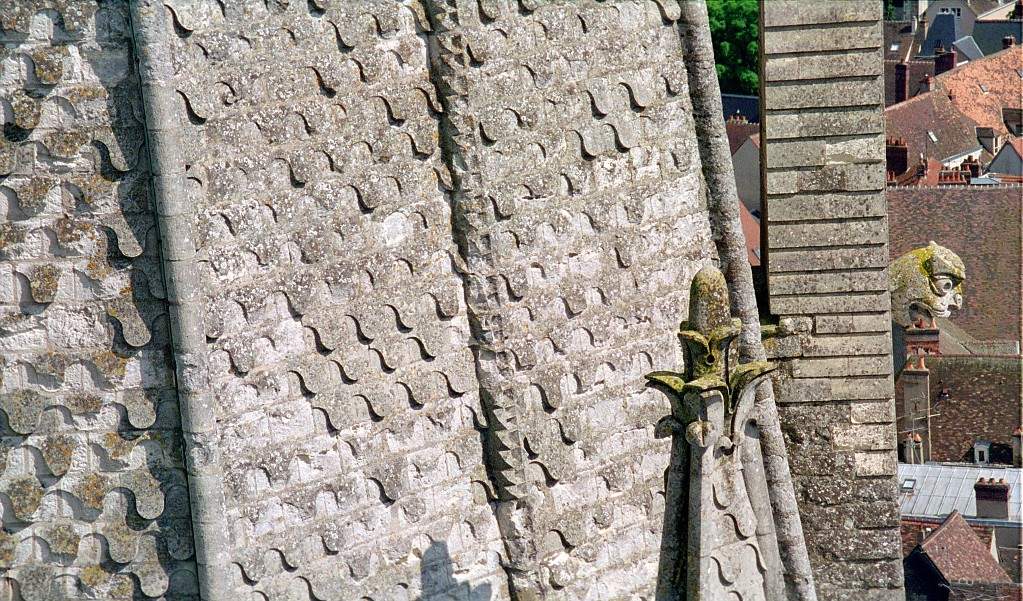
[944, 60]
[992, 498]
[1017, 447]
[901, 82]
[1008, 42]
[970, 164]
[1017, 11]
[896, 155]
[926, 83]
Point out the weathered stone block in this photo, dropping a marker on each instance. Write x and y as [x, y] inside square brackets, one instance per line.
[875, 412]
[875, 464]
[801, 390]
[856, 344]
[847, 324]
[825, 94]
[824, 206]
[783, 260]
[863, 437]
[863, 388]
[782, 121]
[823, 283]
[826, 151]
[859, 63]
[815, 367]
[831, 303]
[830, 178]
[778, 13]
[823, 38]
[782, 347]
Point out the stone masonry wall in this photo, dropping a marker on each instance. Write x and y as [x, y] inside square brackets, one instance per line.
[93, 497]
[826, 255]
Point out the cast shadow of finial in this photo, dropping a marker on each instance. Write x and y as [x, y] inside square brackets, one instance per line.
[437, 578]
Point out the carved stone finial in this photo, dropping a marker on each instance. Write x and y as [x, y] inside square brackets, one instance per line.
[711, 419]
[926, 283]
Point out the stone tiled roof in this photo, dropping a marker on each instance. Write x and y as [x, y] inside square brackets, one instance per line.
[982, 224]
[956, 552]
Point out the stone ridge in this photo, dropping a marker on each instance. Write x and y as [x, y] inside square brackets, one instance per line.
[826, 257]
[576, 182]
[338, 342]
[92, 488]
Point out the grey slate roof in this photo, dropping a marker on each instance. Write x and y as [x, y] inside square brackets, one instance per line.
[940, 488]
[944, 31]
[989, 34]
[968, 49]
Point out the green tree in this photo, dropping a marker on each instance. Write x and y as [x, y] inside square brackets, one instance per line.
[735, 27]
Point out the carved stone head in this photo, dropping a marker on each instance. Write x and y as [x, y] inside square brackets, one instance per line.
[926, 283]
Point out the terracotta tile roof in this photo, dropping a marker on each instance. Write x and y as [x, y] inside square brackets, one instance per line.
[918, 68]
[942, 123]
[984, 225]
[984, 403]
[998, 73]
[738, 132]
[751, 230]
[915, 530]
[931, 126]
[959, 556]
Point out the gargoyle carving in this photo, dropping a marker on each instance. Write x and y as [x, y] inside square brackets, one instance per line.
[715, 543]
[926, 283]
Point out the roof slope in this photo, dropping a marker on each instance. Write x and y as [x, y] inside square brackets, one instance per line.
[999, 74]
[941, 34]
[957, 105]
[938, 489]
[914, 530]
[959, 555]
[989, 34]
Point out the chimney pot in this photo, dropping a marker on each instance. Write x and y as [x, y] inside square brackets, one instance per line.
[1008, 42]
[992, 498]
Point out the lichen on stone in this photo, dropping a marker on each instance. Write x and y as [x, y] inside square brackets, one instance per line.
[62, 539]
[25, 493]
[57, 451]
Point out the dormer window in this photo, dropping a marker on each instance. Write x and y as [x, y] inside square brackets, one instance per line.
[982, 452]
